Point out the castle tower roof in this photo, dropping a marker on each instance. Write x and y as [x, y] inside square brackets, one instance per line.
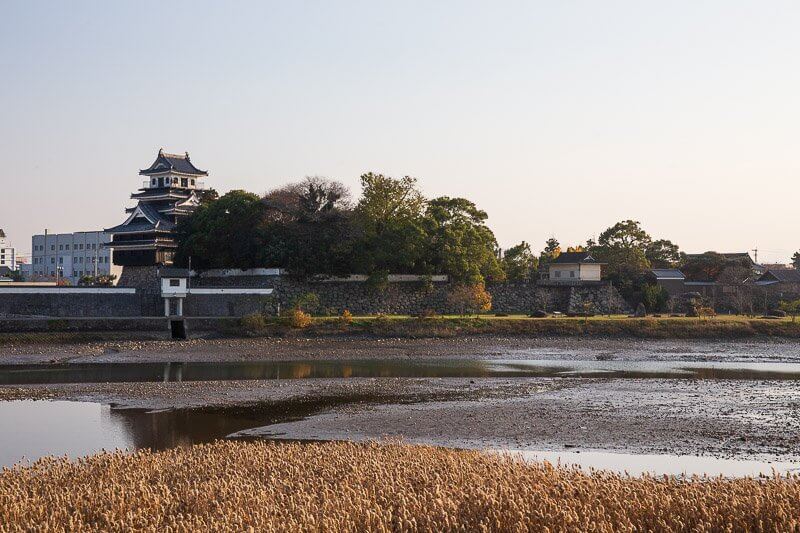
[176, 163]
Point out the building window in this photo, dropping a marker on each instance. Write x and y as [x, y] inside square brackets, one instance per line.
[60, 247]
[184, 182]
[572, 273]
[174, 283]
[60, 260]
[66, 247]
[558, 273]
[52, 247]
[192, 182]
[52, 260]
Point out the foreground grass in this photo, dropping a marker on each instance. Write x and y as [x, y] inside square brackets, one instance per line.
[235, 486]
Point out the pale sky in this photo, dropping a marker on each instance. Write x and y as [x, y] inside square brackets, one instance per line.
[557, 118]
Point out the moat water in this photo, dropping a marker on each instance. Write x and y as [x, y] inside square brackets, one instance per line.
[28, 374]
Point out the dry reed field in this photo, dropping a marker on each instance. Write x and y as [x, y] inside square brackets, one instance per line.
[262, 486]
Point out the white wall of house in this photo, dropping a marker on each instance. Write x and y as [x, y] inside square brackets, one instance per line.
[575, 272]
[590, 272]
[565, 272]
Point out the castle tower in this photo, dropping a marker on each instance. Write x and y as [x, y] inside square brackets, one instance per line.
[148, 236]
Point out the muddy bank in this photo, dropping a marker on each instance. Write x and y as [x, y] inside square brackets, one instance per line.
[222, 394]
[476, 347]
[727, 419]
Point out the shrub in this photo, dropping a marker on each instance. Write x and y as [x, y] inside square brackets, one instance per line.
[706, 312]
[346, 318]
[378, 281]
[297, 318]
[253, 323]
[791, 308]
[470, 299]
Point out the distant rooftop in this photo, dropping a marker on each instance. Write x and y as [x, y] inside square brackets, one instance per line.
[572, 258]
[173, 162]
[668, 273]
[786, 275]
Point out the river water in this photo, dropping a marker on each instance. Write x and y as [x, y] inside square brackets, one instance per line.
[33, 429]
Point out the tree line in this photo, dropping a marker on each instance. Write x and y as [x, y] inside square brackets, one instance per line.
[315, 227]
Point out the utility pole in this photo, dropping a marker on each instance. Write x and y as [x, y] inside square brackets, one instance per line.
[46, 268]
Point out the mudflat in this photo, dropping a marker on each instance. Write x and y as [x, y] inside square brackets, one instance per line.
[730, 418]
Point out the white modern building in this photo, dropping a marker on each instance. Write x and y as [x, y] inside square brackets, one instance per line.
[8, 255]
[575, 267]
[71, 256]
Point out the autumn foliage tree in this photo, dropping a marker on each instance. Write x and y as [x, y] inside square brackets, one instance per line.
[470, 299]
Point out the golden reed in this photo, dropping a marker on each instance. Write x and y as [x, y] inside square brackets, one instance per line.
[262, 486]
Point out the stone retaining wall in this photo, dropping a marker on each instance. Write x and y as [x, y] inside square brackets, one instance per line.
[414, 297]
[72, 304]
[358, 297]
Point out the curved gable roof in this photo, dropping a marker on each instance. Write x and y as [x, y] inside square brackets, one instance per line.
[173, 162]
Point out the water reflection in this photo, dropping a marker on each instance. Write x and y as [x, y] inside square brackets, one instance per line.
[366, 368]
[76, 429]
[675, 465]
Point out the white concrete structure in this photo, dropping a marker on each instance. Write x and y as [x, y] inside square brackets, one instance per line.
[175, 288]
[574, 267]
[71, 256]
[8, 255]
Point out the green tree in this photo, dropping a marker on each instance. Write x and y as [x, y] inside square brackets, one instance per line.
[224, 233]
[552, 249]
[796, 260]
[519, 263]
[623, 247]
[389, 216]
[654, 297]
[663, 254]
[792, 308]
[458, 241]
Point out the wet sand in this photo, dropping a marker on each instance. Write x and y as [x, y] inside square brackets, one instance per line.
[744, 419]
[722, 418]
[356, 347]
